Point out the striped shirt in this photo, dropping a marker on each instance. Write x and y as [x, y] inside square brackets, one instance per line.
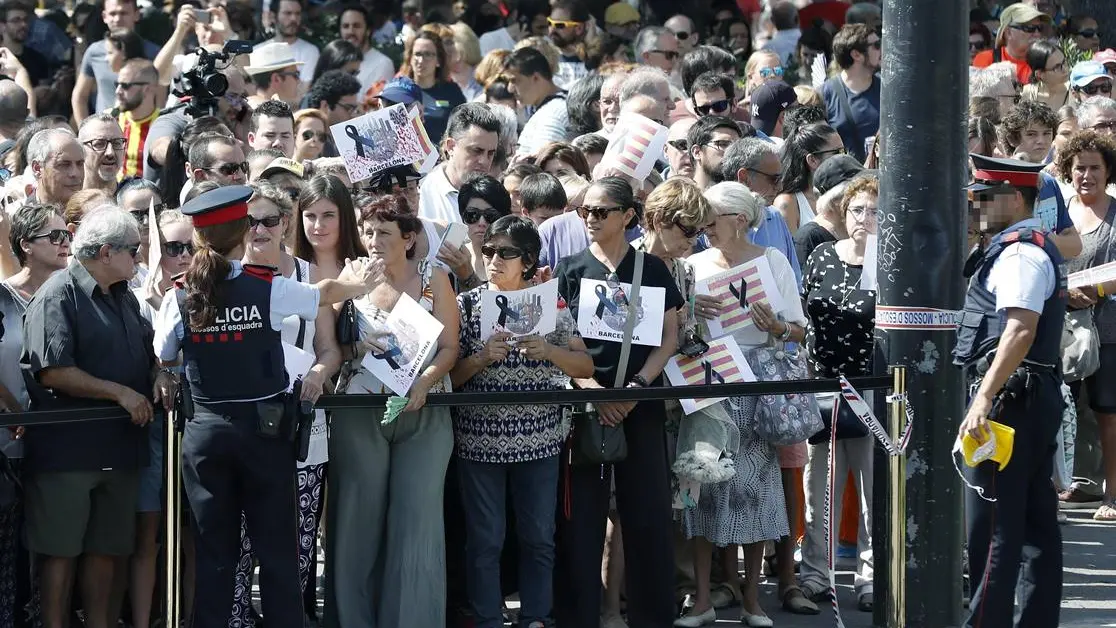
[135, 131]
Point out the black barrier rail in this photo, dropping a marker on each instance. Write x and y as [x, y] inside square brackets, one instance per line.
[596, 395]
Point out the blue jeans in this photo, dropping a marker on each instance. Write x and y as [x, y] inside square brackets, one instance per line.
[534, 493]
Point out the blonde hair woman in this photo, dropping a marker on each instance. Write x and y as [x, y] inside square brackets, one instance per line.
[490, 67]
[762, 66]
[463, 63]
[311, 133]
[808, 96]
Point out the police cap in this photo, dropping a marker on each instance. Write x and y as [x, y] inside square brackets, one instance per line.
[990, 172]
[215, 207]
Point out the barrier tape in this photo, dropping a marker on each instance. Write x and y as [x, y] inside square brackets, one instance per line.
[864, 413]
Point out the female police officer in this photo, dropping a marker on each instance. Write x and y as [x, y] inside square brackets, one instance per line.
[238, 455]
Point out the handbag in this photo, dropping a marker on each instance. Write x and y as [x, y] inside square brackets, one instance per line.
[1080, 345]
[347, 332]
[835, 410]
[783, 419]
[594, 443]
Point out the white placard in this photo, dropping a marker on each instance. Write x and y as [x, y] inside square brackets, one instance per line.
[411, 334]
[871, 260]
[739, 287]
[1092, 276]
[382, 139]
[524, 312]
[297, 362]
[635, 145]
[724, 363]
[602, 312]
[455, 235]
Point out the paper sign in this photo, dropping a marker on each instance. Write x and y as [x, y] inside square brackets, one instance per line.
[636, 144]
[297, 362]
[1092, 276]
[412, 334]
[722, 364]
[871, 260]
[524, 312]
[455, 235]
[382, 139]
[741, 286]
[154, 241]
[687, 492]
[602, 312]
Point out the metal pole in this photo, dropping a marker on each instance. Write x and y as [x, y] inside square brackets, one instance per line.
[921, 248]
[173, 546]
[897, 495]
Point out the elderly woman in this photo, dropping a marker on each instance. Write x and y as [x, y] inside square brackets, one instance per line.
[1088, 161]
[642, 479]
[839, 341]
[995, 81]
[386, 538]
[749, 509]
[502, 449]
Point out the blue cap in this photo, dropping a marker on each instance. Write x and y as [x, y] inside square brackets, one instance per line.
[403, 90]
[1086, 72]
[224, 204]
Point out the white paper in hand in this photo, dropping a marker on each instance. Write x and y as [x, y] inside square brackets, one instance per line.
[297, 362]
[524, 312]
[636, 144]
[379, 140]
[871, 261]
[154, 243]
[412, 336]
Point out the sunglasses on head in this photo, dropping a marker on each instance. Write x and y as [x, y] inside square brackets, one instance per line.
[174, 248]
[503, 252]
[309, 135]
[717, 106]
[1030, 29]
[472, 215]
[56, 236]
[600, 213]
[230, 169]
[1101, 87]
[270, 222]
[770, 72]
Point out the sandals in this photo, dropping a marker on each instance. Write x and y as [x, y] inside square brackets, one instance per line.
[795, 601]
[1106, 512]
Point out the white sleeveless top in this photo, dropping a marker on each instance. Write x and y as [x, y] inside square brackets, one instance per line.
[805, 211]
[319, 434]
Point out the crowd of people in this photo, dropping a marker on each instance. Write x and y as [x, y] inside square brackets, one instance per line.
[127, 186]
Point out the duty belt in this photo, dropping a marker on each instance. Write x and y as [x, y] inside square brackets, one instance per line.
[983, 363]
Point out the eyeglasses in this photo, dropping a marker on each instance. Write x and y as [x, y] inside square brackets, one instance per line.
[270, 222]
[681, 35]
[229, 169]
[1029, 29]
[1109, 126]
[717, 106]
[1089, 33]
[132, 249]
[472, 215]
[175, 248]
[689, 232]
[56, 236]
[1092, 89]
[977, 45]
[671, 55]
[832, 151]
[679, 145]
[600, 213]
[352, 109]
[721, 145]
[100, 144]
[293, 193]
[774, 178]
[140, 215]
[562, 23]
[861, 213]
[309, 135]
[770, 72]
[503, 252]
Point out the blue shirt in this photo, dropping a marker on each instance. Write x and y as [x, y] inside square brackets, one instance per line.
[858, 121]
[46, 38]
[773, 232]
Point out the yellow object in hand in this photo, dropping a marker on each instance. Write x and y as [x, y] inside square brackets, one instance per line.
[997, 448]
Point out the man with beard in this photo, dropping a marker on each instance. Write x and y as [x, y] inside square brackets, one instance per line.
[852, 98]
[103, 143]
[56, 163]
[568, 21]
[376, 68]
[97, 78]
[136, 86]
[288, 22]
[708, 140]
[17, 17]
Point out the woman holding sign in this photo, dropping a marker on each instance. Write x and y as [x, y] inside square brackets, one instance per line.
[386, 540]
[596, 281]
[514, 449]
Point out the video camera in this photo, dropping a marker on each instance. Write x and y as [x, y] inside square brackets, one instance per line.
[204, 84]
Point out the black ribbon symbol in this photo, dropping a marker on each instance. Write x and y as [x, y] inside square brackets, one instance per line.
[505, 311]
[389, 356]
[711, 374]
[604, 301]
[360, 141]
[741, 294]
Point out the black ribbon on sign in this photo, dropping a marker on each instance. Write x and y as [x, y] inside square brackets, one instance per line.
[604, 301]
[505, 311]
[360, 140]
[389, 356]
[741, 294]
[711, 375]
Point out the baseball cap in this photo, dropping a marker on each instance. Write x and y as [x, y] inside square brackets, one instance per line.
[768, 101]
[1107, 55]
[835, 171]
[1086, 72]
[621, 14]
[1020, 13]
[283, 164]
[401, 90]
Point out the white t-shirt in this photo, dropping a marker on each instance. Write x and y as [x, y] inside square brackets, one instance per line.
[308, 54]
[438, 198]
[375, 67]
[499, 39]
[1021, 277]
[547, 124]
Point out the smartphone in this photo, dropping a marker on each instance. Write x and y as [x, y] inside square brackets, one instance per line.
[203, 17]
[455, 236]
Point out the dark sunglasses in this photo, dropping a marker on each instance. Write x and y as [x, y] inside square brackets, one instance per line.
[229, 170]
[681, 35]
[1029, 29]
[270, 222]
[671, 55]
[1089, 32]
[132, 249]
[56, 236]
[977, 45]
[1102, 87]
[174, 248]
[309, 135]
[503, 252]
[717, 106]
[689, 232]
[600, 213]
[472, 215]
[679, 144]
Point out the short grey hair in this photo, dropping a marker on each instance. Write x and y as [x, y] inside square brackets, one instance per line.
[730, 197]
[648, 39]
[743, 154]
[1090, 111]
[991, 81]
[103, 117]
[509, 127]
[646, 80]
[41, 145]
[137, 185]
[107, 224]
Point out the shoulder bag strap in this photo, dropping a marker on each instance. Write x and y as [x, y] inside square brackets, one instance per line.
[629, 324]
[301, 322]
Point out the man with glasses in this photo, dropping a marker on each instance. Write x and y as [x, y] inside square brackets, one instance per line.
[685, 32]
[1020, 26]
[713, 93]
[621, 20]
[103, 144]
[657, 47]
[568, 21]
[16, 15]
[57, 162]
[275, 73]
[336, 94]
[1089, 79]
[273, 127]
[136, 88]
[708, 140]
[215, 157]
[852, 97]
[678, 149]
[97, 79]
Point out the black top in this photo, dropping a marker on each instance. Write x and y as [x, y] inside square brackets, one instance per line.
[840, 330]
[71, 322]
[809, 236]
[437, 103]
[37, 66]
[569, 273]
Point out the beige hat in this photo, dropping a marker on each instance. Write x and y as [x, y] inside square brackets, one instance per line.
[271, 56]
[1020, 13]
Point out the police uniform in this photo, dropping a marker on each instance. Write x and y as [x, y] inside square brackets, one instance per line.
[1015, 544]
[237, 449]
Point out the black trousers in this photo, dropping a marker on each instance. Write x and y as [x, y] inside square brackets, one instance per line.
[228, 469]
[643, 501]
[1015, 543]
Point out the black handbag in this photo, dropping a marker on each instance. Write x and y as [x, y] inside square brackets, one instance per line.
[592, 442]
[834, 409]
[347, 332]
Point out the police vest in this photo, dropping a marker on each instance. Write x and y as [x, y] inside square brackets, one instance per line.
[240, 356]
[981, 325]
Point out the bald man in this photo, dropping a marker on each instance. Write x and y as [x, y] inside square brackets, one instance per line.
[677, 149]
[13, 109]
[684, 31]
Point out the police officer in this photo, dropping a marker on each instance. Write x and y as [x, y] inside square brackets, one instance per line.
[1008, 342]
[238, 452]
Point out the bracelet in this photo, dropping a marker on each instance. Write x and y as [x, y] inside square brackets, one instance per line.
[1100, 290]
[638, 380]
[785, 336]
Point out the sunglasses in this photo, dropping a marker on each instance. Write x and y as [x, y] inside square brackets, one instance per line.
[681, 35]
[977, 45]
[1102, 87]
[770, 72]
[1029, 29]
[600, 213]
[141, 215]
[174, 248]
[270, 222]
[472, 215]
[503, 252]
[679, 145]
[718, 106]
[229, 170]
[562, 23]
[56, 236]
[309, 135]
[1089, 33]
[121, 85]
[132, 249]
[671, 55]
[832, 151]
[689, 232]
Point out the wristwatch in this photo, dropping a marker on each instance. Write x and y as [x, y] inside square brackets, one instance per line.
[638, 380]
